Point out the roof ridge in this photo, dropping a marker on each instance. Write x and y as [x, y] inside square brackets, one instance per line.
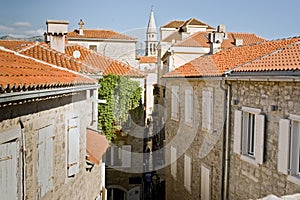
[29, 47]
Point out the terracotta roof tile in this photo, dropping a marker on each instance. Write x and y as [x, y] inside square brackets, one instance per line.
[103, 63]
[148, 59]
[19, 72]
[285, 59]
[200, 39]
[96, 146]
[99, 34]
[174, 24]
[217, 64]
[90, 62]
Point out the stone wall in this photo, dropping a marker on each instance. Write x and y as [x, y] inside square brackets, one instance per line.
[248, 181]
[205, 148]
[55, 110]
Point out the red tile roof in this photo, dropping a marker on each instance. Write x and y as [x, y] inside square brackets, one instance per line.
[217, 64]
[173, 24]
[96, 145]
[99, 34]
[90, 62]
[19, 72]
[102, 63]
[200, 39]
[148, 59]
[285, 59]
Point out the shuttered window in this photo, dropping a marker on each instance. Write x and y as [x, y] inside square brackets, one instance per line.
[205, 183]
[45, 147]
[173, 161]
[73, 140]
[249, 130]
[119, 156]
[188, 105]
[94, 105]
[8, 170]
[207, 110]
[187, 172]
[175, 102]
[289, 146]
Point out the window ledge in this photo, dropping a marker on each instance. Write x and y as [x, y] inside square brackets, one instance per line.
[294, 179]
[249, 160]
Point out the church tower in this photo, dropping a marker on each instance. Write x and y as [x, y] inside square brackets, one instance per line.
[151, 36]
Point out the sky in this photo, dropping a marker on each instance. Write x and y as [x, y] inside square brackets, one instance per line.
[271, 19]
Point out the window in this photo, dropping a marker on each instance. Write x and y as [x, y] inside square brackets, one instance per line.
[119, 157]
[207, 110]
[93, 47]
[175, 103]
[45, 159]
[187, 172]
[173, 161]
[289, 146]
[94, 105]
[188, 105]
[73, 139]
[249, 134]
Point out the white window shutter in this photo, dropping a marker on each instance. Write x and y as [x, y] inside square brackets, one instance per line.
[259, 134]
[174, 103]
[283, 146]
[205, 183]
[126, 156]
[207, 107]
[45, 159]
[237, 132]
[173, 161]
[73, 146]
[188, 105]
[8, 171]
[187, 172]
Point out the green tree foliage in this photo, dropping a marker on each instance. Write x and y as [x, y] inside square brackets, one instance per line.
[122, 95]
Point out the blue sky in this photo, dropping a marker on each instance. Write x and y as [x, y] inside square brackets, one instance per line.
[271, 19]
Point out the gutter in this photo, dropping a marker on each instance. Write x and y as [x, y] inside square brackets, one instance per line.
[226, 141]
[17, 96]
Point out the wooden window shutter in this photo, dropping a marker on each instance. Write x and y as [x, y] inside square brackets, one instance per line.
[207, 110]
[283, 146]
[188, 105]
[174, 103]
[45, 159]
[205, 183]
[187, 172]
[9, 167]
[237, 132]
[173, 161]
[259, 133]
[73, 146]
[126, 156]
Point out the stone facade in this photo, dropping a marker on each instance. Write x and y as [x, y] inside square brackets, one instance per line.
[203, 147]
[248, 181]
[55, 110]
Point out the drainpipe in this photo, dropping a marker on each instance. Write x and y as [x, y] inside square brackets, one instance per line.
[23, 146]
[226, 141]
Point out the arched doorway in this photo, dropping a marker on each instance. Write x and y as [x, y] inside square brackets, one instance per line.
[116, 192]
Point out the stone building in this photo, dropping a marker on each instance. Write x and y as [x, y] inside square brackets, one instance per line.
[47, 122]
[197, 99]
[264, 125]
[106, 42]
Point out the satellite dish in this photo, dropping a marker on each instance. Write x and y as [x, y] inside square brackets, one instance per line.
[76, 54]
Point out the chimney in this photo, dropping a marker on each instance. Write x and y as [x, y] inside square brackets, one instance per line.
[216, 38]
[81, 24]
[221, 28]
[238, 42]
[56, 34]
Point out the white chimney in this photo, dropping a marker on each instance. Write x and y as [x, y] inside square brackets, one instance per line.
[221, 28]
[56, 34]
[81, 24]
[238, 42]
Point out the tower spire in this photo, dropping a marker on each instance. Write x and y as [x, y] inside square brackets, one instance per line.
[151, 39]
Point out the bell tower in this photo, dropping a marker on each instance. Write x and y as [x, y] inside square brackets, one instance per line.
[151, 36]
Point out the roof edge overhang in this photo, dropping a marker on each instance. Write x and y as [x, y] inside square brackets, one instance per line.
[19, 96]
[101, 40]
